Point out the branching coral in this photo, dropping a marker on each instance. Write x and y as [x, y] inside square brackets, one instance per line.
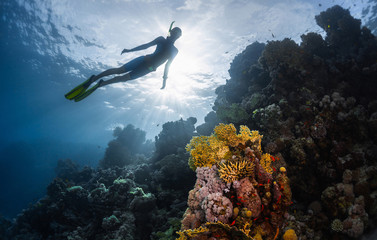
[231, 171]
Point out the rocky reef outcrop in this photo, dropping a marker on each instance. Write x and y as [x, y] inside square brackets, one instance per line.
[128, 197]
[240, 192]
[316, 105]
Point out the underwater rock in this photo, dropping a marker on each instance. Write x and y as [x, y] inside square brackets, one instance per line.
[111, 205]
[318, 111]
[123, 150]
[210, 121]
[173, 137]
[240, 70]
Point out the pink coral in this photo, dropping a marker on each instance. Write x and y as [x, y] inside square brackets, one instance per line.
[249, 197]
[217, 208]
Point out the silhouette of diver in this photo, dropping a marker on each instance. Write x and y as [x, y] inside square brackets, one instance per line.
[138, 67]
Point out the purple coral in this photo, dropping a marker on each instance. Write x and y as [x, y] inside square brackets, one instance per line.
[217, 208]
[206, 201]
[249, 196]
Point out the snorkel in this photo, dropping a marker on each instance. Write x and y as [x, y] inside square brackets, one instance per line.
[174, 33]
[171, 25]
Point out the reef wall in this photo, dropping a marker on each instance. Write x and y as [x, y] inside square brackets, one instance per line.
[316, 105]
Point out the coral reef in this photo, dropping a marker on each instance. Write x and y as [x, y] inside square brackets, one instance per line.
[238, 193]
[124, 148]
[173, 137]
[315, 103]
[141, 200]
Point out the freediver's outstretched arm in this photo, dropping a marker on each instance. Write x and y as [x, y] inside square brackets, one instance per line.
[166, 70]
[142, 47]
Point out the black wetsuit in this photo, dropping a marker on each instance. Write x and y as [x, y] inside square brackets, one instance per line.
[165, 51]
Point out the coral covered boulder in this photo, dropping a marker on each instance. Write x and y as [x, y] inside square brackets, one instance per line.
[239, 193]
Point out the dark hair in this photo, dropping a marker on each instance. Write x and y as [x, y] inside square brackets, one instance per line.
[176, 31]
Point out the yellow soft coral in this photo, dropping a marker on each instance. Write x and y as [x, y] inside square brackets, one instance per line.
[231, 171]
[190, 233]
[265, 162]
[254, 136]
[206, 151]
[290, 234]
[218, 147]
[226, 133]
[201, 153]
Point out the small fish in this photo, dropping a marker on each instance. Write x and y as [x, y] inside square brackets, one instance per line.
[233, 223]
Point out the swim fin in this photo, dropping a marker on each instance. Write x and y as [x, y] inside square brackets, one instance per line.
[88, 92]
[77, 91]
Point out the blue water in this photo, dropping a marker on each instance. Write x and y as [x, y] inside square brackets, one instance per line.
[37, 126]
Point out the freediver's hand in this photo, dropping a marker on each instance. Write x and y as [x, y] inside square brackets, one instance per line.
[125, 51]
[164, 83]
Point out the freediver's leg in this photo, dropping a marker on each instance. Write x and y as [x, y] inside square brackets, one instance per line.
[117, 79]
[108, 72]
[133, 69]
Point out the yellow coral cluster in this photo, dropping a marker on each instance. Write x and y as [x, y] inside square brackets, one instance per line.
[252, 136]
[226, 133]
[206, 151]
[190, 233]
[290, 234]
[201, 153]
[231, 171]
[266, 163]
